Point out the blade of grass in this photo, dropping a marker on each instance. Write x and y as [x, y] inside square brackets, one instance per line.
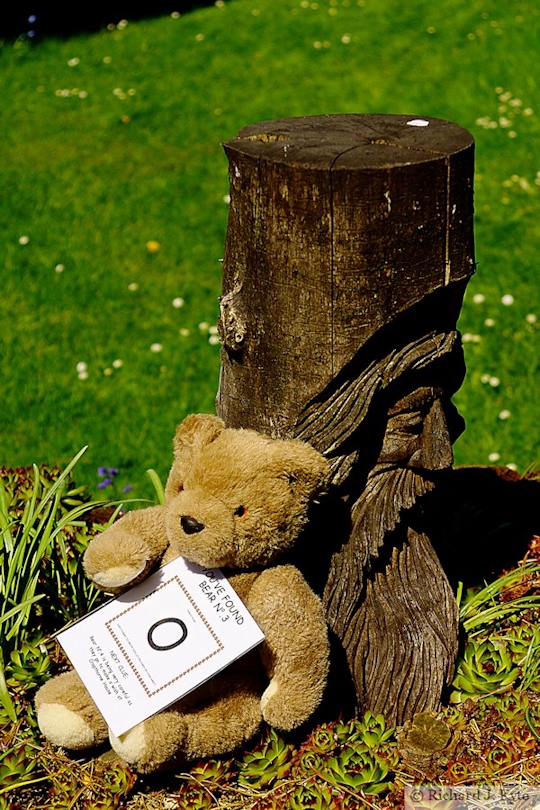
[5, 697]
[482, 608]
[28, 548]
[18, 609]
[158, 486]
[5, 522]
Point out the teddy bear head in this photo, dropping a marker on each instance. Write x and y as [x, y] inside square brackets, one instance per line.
[235, 498]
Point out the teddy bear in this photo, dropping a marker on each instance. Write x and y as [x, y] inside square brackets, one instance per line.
[235, 500]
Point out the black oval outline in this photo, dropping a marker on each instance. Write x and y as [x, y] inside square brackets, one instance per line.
[160, 648]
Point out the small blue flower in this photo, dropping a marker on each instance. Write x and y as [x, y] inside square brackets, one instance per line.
[108, 474]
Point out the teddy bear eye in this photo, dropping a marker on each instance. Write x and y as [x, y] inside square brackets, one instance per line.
[240, 511]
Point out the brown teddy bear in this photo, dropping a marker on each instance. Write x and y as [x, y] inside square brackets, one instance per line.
[236, 500]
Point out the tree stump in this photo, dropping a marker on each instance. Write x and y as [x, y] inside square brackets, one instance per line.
[348, 249]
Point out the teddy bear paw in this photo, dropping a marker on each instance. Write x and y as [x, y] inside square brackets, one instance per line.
[118, 576]
[66, 728]
[271, 705]
[154, 743]
[119, 557]
[284, 709]
[131, 746]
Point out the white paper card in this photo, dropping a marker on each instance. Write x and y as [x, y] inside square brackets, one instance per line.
[146, 649]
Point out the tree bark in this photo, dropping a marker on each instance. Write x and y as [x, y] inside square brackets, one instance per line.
[348, 249]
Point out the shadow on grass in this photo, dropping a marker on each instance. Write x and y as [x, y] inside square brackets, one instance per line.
[35, 20]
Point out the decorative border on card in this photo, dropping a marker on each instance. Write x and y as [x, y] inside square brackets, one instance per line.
[133, 666]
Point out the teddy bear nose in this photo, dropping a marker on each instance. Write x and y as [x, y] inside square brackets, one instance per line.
[190, 525]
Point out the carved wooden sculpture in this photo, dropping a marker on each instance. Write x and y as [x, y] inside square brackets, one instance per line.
[348, 250]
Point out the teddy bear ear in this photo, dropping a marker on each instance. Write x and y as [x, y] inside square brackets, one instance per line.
[303, 466]
[195, 431]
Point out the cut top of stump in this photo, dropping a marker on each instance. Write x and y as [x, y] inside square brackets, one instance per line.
[352, 141]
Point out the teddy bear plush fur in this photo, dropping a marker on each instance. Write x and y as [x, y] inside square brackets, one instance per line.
[236, 500]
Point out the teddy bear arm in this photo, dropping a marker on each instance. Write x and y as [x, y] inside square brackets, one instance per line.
[127, 551]
[295, 652]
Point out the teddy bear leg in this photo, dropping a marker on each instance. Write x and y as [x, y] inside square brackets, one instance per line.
[228, 721]
[213, 720]
[67, 715]
[154, 744]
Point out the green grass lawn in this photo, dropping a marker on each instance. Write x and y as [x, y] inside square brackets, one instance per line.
[111, 141]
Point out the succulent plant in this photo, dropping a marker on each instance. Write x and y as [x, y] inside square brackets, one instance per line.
[500, 759]
[192, 796]
[336, 766]
[29, 666]
[458, 771]
[349, 756]
[16, 764]
[20, 485]
[519, 640]
[455, 717]
[514, 704]
[524, 740]
[531, 768]
[524, 644]
[313, 794]
[269, 761]
[117, 779]
[213, 771]
[371, 730]
[323, 739]
[308, 762]
[358, 769]
[345, 731]
[487, 668]
[202, 785]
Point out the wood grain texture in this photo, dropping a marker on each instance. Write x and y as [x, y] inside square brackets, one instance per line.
[348, 249]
